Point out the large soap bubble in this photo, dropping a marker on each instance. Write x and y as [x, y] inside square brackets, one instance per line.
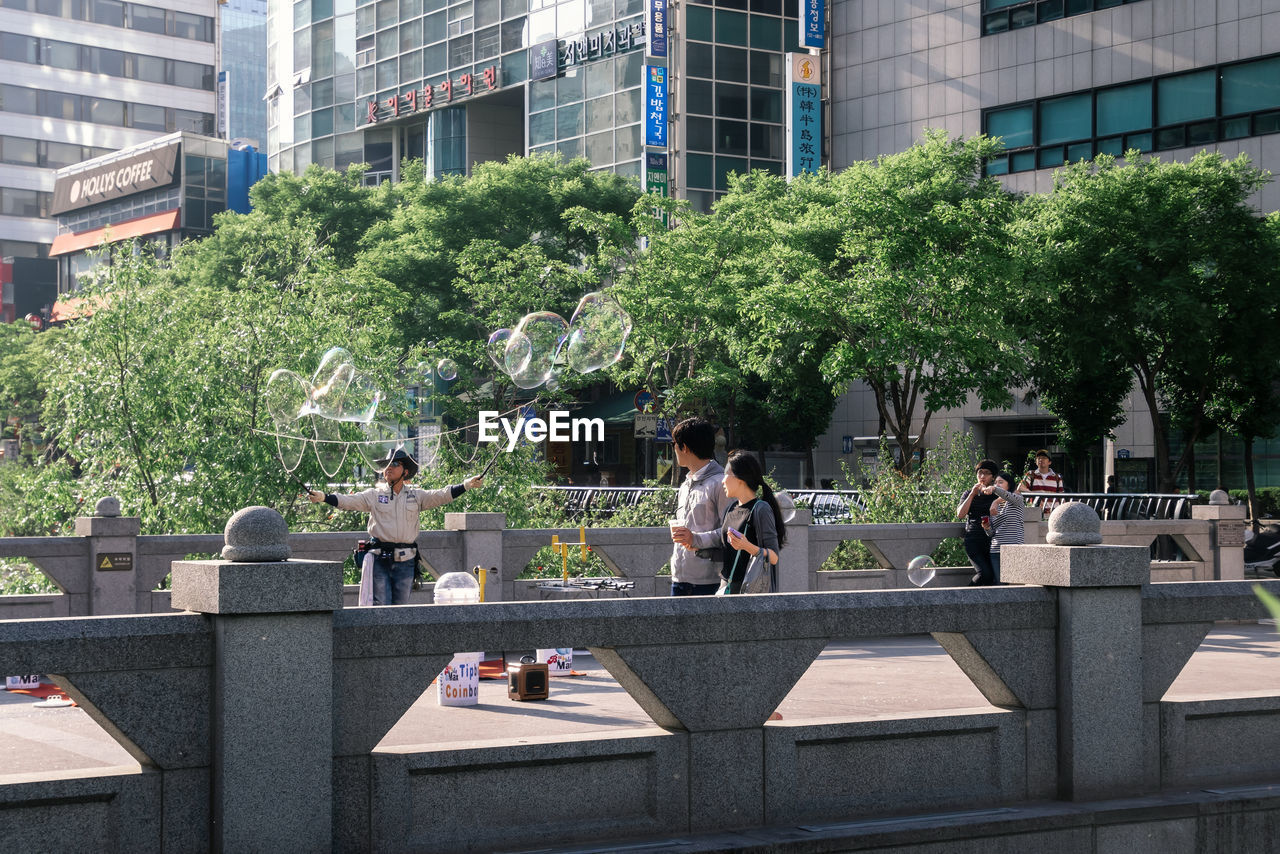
[535, 342]
[329, 384]
[920, 570]
[381, 440]
[447, 369]
[285, 396]
[599, 330]
[361, 399]
[331, 448]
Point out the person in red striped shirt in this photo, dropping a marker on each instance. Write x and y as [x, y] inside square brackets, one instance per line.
[1042, 479]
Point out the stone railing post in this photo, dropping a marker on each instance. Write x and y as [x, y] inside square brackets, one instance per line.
[794, 573]
[1099, 650]
[272, 769]
[1226, 534]
[113, 559]
[482, 546]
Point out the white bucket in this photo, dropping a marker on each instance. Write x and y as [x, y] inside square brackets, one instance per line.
[459, 683]
[17, 683]
[559, 661]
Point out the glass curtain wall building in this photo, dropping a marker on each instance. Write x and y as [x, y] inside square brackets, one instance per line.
[243, 71]
[456, 82]
[81, 78]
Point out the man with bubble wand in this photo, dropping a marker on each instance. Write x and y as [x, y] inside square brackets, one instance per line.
[388, 558]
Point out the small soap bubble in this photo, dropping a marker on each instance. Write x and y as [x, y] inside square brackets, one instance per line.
[496, 347]
[447, 369]
[786, 504]
[598, 333]
[552, 383]
[921, 570]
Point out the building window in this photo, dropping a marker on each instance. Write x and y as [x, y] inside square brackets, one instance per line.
[1174, 111]
[1000, 16]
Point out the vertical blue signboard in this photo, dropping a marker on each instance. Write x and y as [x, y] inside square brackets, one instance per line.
[813, 23]
[655, 111]
[657, 29]
[804, 114]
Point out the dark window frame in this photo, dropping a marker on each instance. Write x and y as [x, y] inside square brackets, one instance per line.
[1207, 130]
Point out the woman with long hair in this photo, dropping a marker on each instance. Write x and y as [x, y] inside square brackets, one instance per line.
[752, 525]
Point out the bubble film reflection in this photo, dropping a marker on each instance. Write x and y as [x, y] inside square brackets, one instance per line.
[598, 333]
[535, 343]
[921, 570]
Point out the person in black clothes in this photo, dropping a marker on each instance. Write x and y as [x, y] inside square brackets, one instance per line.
[975, 510]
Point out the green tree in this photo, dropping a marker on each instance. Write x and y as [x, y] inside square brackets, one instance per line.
[1151, 265]
[899, 270]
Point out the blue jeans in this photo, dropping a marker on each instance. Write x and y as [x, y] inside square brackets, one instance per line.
[392, 581]
[995, 565]
[684, 588]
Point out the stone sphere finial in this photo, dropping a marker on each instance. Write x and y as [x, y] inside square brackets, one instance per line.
[1219, 496]
[1074, 524]
[256, 535]
[108, 506]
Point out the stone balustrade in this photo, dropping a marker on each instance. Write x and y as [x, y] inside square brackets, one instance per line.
[250, 717]
[108, 568]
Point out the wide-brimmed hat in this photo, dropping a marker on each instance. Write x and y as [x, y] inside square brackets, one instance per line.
[399, 456]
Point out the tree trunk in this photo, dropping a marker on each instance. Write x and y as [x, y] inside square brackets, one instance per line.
[1191, 463]
[1251, 486]
[1164, 478]
[1221, 479]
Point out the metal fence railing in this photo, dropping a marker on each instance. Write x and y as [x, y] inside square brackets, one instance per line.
[836, 507]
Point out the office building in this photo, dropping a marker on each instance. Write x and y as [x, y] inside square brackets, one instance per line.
[162, 191]
[81, 78]
[1059, 80]
[242, 72]
[684, 97]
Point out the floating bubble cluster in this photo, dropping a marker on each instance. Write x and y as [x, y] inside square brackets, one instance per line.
[594, 338]
[336, 410]
[920, 570]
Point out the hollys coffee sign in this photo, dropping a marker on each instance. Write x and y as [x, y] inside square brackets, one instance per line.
[102, 182]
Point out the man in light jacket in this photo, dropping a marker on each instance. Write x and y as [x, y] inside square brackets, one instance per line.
[695, 559]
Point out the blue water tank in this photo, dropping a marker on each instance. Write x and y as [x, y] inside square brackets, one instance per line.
[245, 165]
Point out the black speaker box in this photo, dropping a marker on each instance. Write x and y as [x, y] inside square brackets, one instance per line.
[528, 682]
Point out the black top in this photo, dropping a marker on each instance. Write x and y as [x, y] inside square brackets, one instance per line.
[761, 531]
[980, 506]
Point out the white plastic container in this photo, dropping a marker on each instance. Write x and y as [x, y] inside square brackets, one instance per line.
[559, 661]
[459, 683]
[457, 588]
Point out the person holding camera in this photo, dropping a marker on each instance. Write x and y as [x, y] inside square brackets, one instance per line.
[394, 524]
[975, 510]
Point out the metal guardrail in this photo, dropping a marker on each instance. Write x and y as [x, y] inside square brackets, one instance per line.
[837, 507]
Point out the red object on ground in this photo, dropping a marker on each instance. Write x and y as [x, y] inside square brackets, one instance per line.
[43, 691]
